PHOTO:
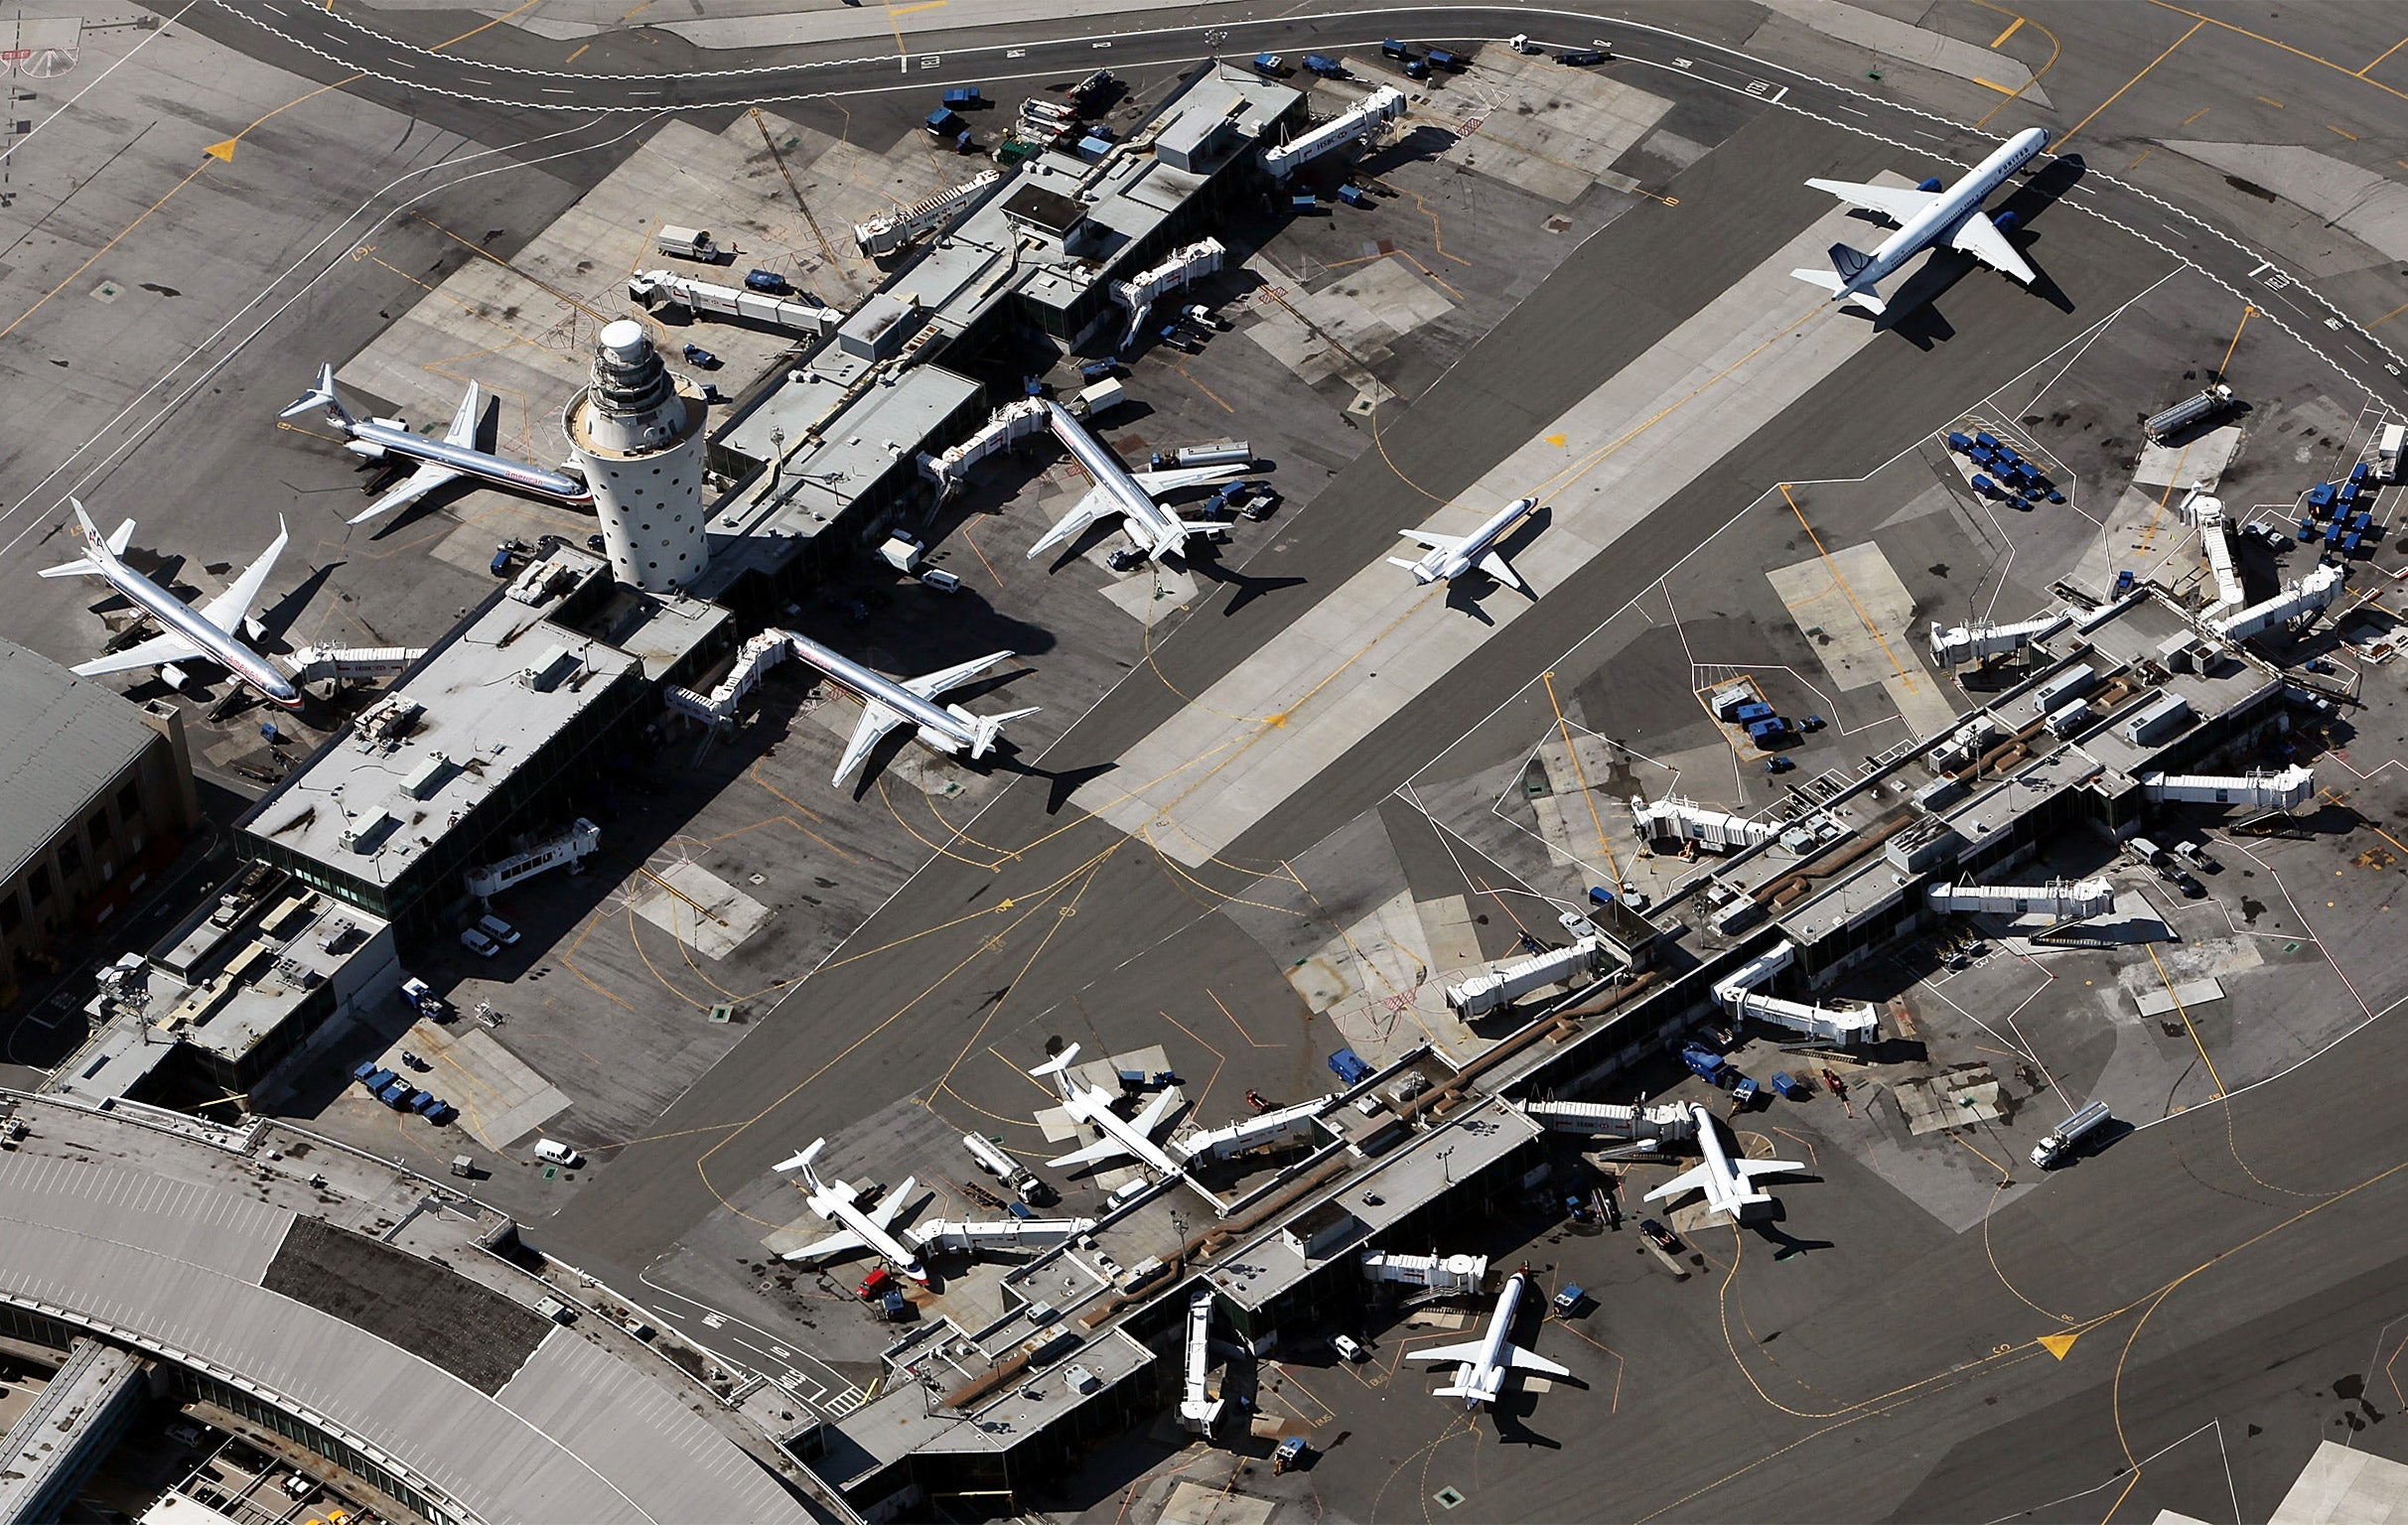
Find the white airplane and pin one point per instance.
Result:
(872, 1230)
(887, 702)
(1130, 1138)
(1724, 1180)
(1925, 216)
(212, 631)
(1479, 1374)
(1129, 494)
(439, 460)
(1450, 556)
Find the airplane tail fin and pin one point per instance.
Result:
(1849, 264)
(985, 729)
(802, 1161)
(89, 566)
(1059, 1064)
(320, 395)
(1421, 573)
(1849, 261)
(1472, 1397)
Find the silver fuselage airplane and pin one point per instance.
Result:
(1130, 1138)
(1450, 556)
(856, 1230)
(1724, 1179)
(1120, 492)
(211, 631)
(1481, 1365)
(440, 461)
(887, 702)
(1928, 216)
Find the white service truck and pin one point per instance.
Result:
(2061, 1145)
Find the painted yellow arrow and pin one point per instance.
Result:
(224, 152)
(2059, 1344)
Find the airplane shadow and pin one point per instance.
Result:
(1912, 314)
(1250, 587)
(1465, 593)
(278, 616)
(1064, 782)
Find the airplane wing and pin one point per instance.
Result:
(1097, 504)
(1174, 477)
(1978, 236)
(1494, 566)
(1470, 1351)
(876, 721)
(231, 610)
(1435, 542)
(1523, 1361)
(929, 685)
(887, 1211)
(414, 486)
(1687, 1180)
(464, 418)
(1900, 204)
(154, 652)
(1155, 1111)
(1095, 1153)
(1752, 1168)
(837, 1243)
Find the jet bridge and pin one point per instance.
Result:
(961, 1238)
(1198, 1410)
(656, 289)
(1373, 112)
(1855, 1022)
(2287, 790)
(581, 841)
(1978, 642)
(1677, 819)
(349, 664)
(2073, 902)
(1606, 1119)
(1438, 1273)
(1274, 1127)
(890, 231)
(2296, 602)
(1139, 294)
(2206, 514)
(1011, 422)
(1491, 991)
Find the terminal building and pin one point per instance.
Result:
(1088, 1336)
(96, 796)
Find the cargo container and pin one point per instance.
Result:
(396, 1095)
(1324, 66)
(1350, 1068)
(1353, 196)
(1452, 62)
(377, 1079)
(2319, 498)
(962, 96)
(1962, 444)
(1270, 64)
(1984, 486)
(943, 124)
(1391, 47)
(1789, 1088)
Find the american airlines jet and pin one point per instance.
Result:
(439, 460)
(855, 1229)
(212, 632)
(1724, 1180)
(1126, 494)
(1928, 216)
(1452, 556)
(1123, 1138)
(1481, 1364)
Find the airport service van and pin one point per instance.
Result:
(2061, 1145)
(687, 243)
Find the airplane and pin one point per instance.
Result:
(872, 1230)
(1130, 495)
(1723, 1181)
(439, 460)
(1132, 1138)
(1928, 216)
(1450, 556)
(1480, 1375)
(886, 704)
(212, 631)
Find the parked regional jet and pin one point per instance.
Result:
(1928, 216)
(1450, 556)
(887, 702)
(439, 460)
(1724, 1180)
(1130, 495)
(1130, 1138)
(1479, 1374)
(212, 631)
(872, 1230)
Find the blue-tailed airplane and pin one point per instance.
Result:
(1927, 216)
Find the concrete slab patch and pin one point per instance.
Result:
(1321, 985)
(1191, 1503)
(1949, 1100)
(697, 908)
(1546, 128)
(2197, 463)
(1858, 615)
(500, 1098)
(2189, 996)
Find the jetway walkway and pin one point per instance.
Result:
(1367, 117)
(1483, 993)
(349, 664)
(965, 1237)
(2285, 790)
(1679, 819)
(581, 841)
(1446, 1275)
(2296, 602)
(1139, 294)
(1198, 1410)
(1979, 643)
(2076, 901)
(1010, 422)
(1273, 1126)
(1609, 1120)
(1852, 1023)
(890, 231)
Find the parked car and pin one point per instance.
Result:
(478, 942)
(497, 929)
(765, 280)
(1660, 1236)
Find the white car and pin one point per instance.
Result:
(497, 929)
(478, 943)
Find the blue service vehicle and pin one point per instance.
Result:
(1270, 64)
(396, 1095)
(1791, 1090)
(945, 126)
(962, 96)
(1350, 1067)
(1704, 1063)
(377, 1078)
(1354, 196)
(1452, 62)
(765, 280)
(1322, 65)
(1984, 486)
(1962, 444)
(1985, 439)
(1743, 1095)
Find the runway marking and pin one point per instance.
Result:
(1564, 728)
(2055, 47)
(2352, 136)
(2058, 147)
(2012, 28)
(1872, 628)
(1239, 1025)
(2270, 100)
(2168, 980)
(2225, 367)
(582, 50)
(2194, 116)
(2386, 52)
(2302, 53)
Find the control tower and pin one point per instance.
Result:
(636, 432)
